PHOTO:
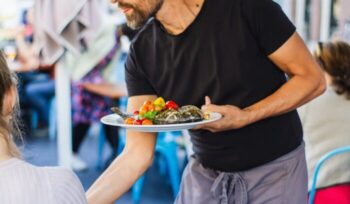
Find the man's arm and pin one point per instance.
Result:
(136, 157)
(106, 89)
(306, 82)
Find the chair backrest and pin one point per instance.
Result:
(318, 166)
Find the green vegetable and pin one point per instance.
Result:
(150, 115)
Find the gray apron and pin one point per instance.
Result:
(283, 180)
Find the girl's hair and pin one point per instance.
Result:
(8, 80)
(334, 58)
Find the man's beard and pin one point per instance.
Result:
(138, 18)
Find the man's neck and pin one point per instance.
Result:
(177, 15)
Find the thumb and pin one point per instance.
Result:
(212, 108)
(207, 100)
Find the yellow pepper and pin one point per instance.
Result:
(159, 103)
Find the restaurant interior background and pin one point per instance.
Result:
(316, 20)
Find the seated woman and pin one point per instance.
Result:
(326, 125)
(21, 182)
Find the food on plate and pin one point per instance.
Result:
(171, 105)
(162, 112)
(129, 121)
(169, 116)
(192, 113)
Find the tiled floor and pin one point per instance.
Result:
(43, 152)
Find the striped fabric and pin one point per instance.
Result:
(23, 183)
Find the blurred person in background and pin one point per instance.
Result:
(326, 125)
(110, 92)
(238, 52)
(37, 86)
(82, 39)
(21, 182)
(115, 91)
(89, 106)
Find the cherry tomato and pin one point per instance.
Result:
(138, 122)
(147, 122)
(171, 105)
(129, 121)
(136, 112)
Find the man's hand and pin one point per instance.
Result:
(232, 117)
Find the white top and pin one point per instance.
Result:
(326, 124)
(21, 182)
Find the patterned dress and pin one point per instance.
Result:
(88, 107)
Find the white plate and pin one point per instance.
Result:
(116, 120)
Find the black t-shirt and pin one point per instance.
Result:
(222, 54)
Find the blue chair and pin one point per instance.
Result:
(136, 190)
(101, 141)
(166, 150)
(34, 120)
(100, 146)
(51, 122)
(318, 166)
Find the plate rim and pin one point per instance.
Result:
(155, 128)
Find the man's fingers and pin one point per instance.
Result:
(214, 108)
(209, 107)
(209, 126)
(204, 128)
(198, 127)
(207, 100)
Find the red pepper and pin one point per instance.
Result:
(171, 105)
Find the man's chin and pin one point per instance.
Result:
(135, 25)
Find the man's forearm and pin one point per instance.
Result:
(116, 180)
(130, 164)
(296, 92)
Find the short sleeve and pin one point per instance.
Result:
(268, 23)
(136, 81)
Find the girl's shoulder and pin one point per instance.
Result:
(65, 185)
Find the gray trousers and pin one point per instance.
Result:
(282, 181)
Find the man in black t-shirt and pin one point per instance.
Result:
(234, 55)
